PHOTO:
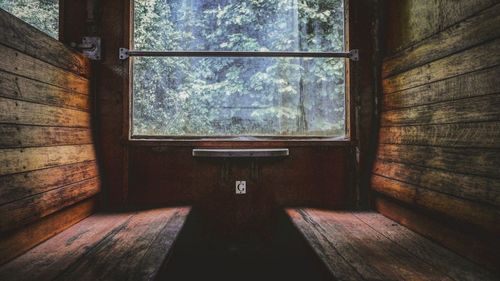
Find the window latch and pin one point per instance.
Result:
(90, 47)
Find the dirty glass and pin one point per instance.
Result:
(224, 96)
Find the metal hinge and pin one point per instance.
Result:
(354, 55)
(90, 47)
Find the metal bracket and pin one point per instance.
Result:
(354, 55)
(90, 47)
(123, 53)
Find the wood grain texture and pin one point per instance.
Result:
(20, 64)
(477, 215)
(377, 252)
(21, 185)
(467, 135)
(473, 59)
(21, 88)
(114, 246)
(18, 242)
(32, 136)
(27, 113)
(414, 20)
(29, 159)
(467, 33)
(470, 161)
(476, 109)
(474, 188)
(482, 250)
(27, 39)
(478, 83)
(30, 209)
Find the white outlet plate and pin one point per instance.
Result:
(241, 187)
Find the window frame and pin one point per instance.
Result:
(234, 141)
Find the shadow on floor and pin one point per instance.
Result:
(275, 251)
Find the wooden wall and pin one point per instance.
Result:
(437, 167)
(48, 171)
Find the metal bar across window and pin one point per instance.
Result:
(126, 53)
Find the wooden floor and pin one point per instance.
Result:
(118, 246)
(368, 246)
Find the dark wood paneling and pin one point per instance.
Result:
(47, 157)
(476, 135)
(21, 185)
(477, 58)
(478, 83)
(472, 161)
(29, 40)
(470, 32)
(18, 63)
(30, 136)
(17, 242)
(20, 88)
(27, 113)
(482, 216)
(28, 159)
(410, 21)
(30, 209)
(475, 188)
(475, 109)
(483, 250)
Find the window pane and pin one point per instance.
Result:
(238, 96)
(42, 14)
(255, 25)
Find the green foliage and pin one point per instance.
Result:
(42, 14)
(238, 96)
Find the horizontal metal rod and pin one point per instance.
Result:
(241, 153)
(125, 53)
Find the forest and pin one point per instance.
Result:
(207, 96)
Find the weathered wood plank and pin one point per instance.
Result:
(18, 242)
(475, 214)
(373, 255)
(27, 113)
(476, 109)
(484, 251)
(470, 161)
(324, 248)
(467, 33)
(471, 135)
(31, 136)
(478, 83)
(448, 262)
(413, 20)
(18, 186)
(126, 254)
(22, 212)
(29, 159)
(21, 64)
(474, 188)
(51, 258)
(20, 88)
(27, 39)
(473, 59)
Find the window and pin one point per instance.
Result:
(42, 14)
(224, 96)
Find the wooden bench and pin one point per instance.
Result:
(368, 246)
(108, 246)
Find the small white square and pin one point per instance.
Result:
(241, 187)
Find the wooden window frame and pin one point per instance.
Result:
(266, 141)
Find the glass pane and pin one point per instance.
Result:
(237, 25)
(238, 97)
(42, 14)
